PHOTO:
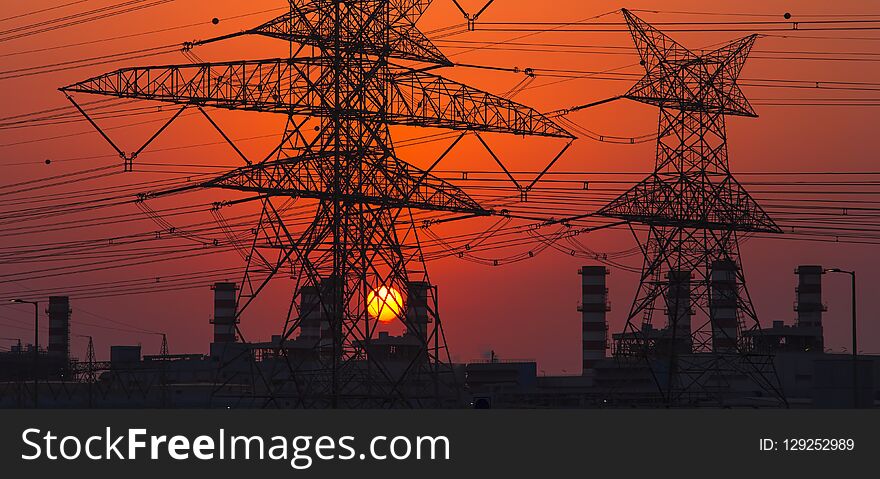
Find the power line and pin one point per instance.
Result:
(42, 10)
(80, 18)
(135, 35)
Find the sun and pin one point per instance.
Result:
(384, 304)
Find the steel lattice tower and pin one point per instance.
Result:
(343, 74)
(695, 212)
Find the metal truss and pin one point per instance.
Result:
(695, 212)
(397, 31)
(691, 185)
(386, 93)
(340, 91)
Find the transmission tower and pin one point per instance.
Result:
(89, 371)
(341, 88)
(695, 212)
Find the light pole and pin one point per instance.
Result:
(36, 344)
(855, 349)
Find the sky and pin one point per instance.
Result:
(522, 310)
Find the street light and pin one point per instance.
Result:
(36, 343)
(855, 349)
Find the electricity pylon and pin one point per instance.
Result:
(341, 88)
(695, 212)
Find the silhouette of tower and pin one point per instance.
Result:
(695, 212)
(341, 88)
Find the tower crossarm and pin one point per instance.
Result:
(383, 181)
(377, 28)
(678, 78)
(431, 100)
(298, 86)
(696, 202)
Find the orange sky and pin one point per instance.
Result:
(525, 310)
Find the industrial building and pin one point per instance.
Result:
(236, 374)
(626, 373)
(268, 374)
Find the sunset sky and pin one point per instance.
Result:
(525, 309)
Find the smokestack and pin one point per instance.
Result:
(723, 305)
(594, 306)
(679, 308)
(310, 314)
(314, 316)
(809, 305)
(417, 318)
(59, 327)
(224, 312)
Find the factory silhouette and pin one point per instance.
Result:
(692, 337)
(254, 375)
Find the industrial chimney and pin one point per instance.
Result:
(224, 312)
(417, 317)
(679, 309)
(315, 310)
(723, 305)
(594, 307)
(59, 327)
(310, 314)
(809, 306)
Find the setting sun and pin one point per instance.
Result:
(384, 304)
